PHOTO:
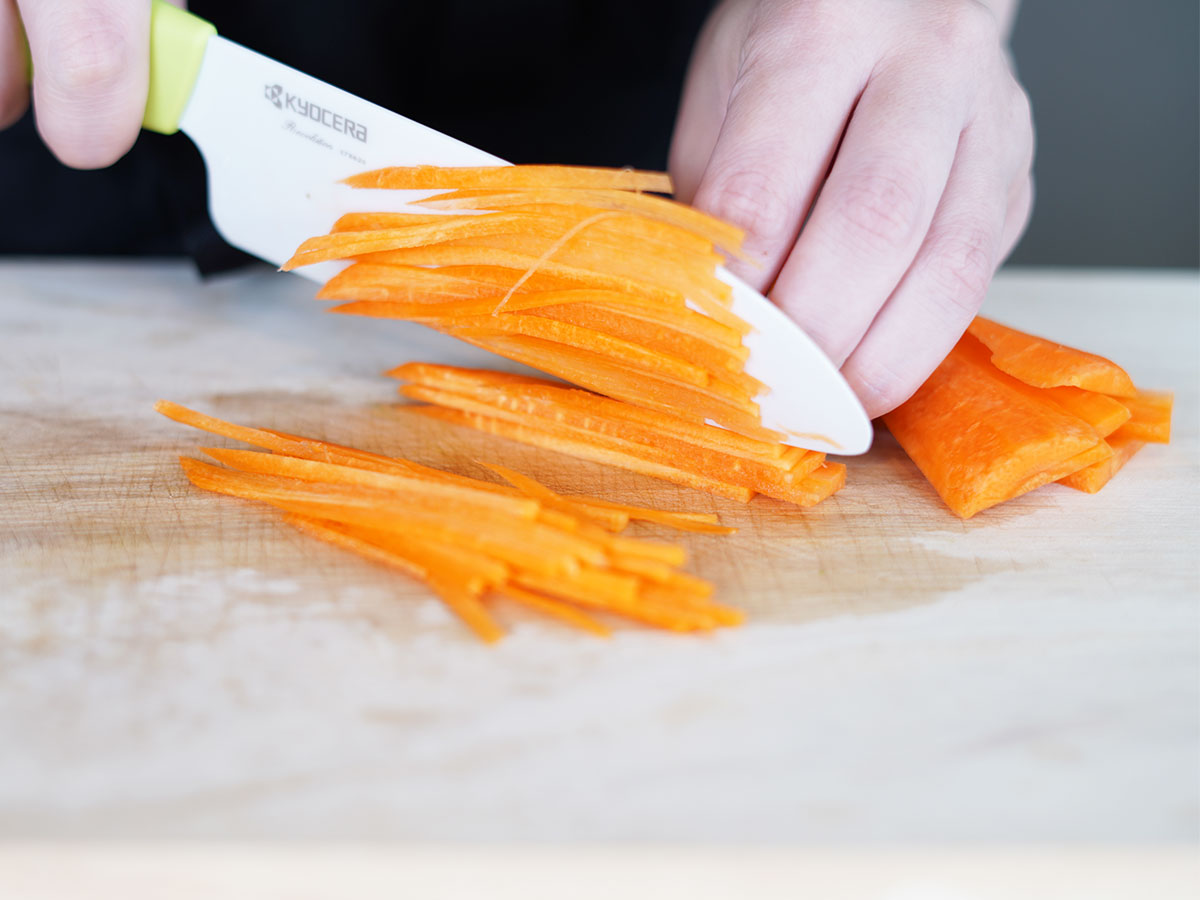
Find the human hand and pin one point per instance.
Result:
(900, 131)
(91, 60)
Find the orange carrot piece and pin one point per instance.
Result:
(981, 437)
(693, 277)
(616, 350)
(619, 437)
(723, 361)
(1102, 412)
(411, 486)
(1045, 364)
(610, 520)
(430, 559)
(585, 589)
(624, 226)
(700, 523)
(374, 221)
(1091, 479)
(724, 235)
(452, 256)
(467, 606)
(331, 533)
(523, 543)
(554, 608)
(714, 401)
(1150, 419)
(471, 381)
(510, 178)
(405, 283)
(582, 449)
(347, 244)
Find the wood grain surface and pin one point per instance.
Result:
(183, 663)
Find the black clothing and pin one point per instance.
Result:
(587, 82)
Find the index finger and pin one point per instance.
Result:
(872, 212)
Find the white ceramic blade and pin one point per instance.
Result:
(277, 143)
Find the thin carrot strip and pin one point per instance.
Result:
(463, 380)
(396, 282)
(375, 221)
(592, 370)
(621, 437)
(347, 244)
(428, 558)
(450, 255)
(555, 331)
(525, 544)
(720, 361)
(558, 610)
(400, 303)
(701, 523)
(583, 450)
(722, 234)
(333, 473)
(325, 531)
(582, 591)
(1044, 363)
(511, 177)
(467, 606)
(610, 520)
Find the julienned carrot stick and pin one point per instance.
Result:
(465, 538)
(982, 439)
(724, 235)
(617, 436)
(509, 177)
(584, 450)
(470, 381)
(558, 610)
(1045, 364)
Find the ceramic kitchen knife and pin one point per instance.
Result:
(277, 143)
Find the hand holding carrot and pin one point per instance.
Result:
(92, 63)
(899, 131)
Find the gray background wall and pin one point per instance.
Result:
(1116, 95)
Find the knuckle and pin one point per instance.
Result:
(879, 211)
(879, 386)
(91, 54)
(970, 26)
(961, 268)
(751, 200)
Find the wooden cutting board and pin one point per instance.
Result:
(128, 597)
(93, 494)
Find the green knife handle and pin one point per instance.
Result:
(177, 42)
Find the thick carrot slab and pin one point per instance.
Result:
(982, 439)
(1046, 364)
(1105, 414)
(1092, 478)
(1150, 419)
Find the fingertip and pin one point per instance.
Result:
(91, 80)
